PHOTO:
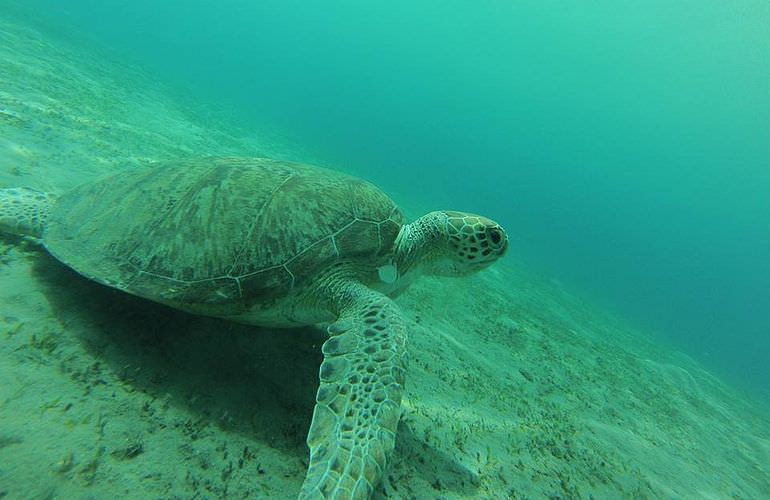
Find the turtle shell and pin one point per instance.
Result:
(219, 233)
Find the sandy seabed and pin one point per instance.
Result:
(516, 387)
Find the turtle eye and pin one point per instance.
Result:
(495, 235)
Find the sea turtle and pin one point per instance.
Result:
(272, 243)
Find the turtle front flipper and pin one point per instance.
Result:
(24, 211)
(359, 399)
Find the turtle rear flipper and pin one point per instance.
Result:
(358, 402)
(24, 211)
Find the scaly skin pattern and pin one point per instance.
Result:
(449, 243)
(358, 402)
(276, 244)
(24, 211)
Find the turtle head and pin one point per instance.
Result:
(455, 243)
(473, 242)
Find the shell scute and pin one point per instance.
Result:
(389, 231)
(359, 238)
(305, 263)
(265, 284)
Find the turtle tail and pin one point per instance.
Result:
(24, 211)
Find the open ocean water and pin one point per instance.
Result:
(620, 349)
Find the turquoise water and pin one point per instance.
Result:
(625, 145)
(619, 350)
